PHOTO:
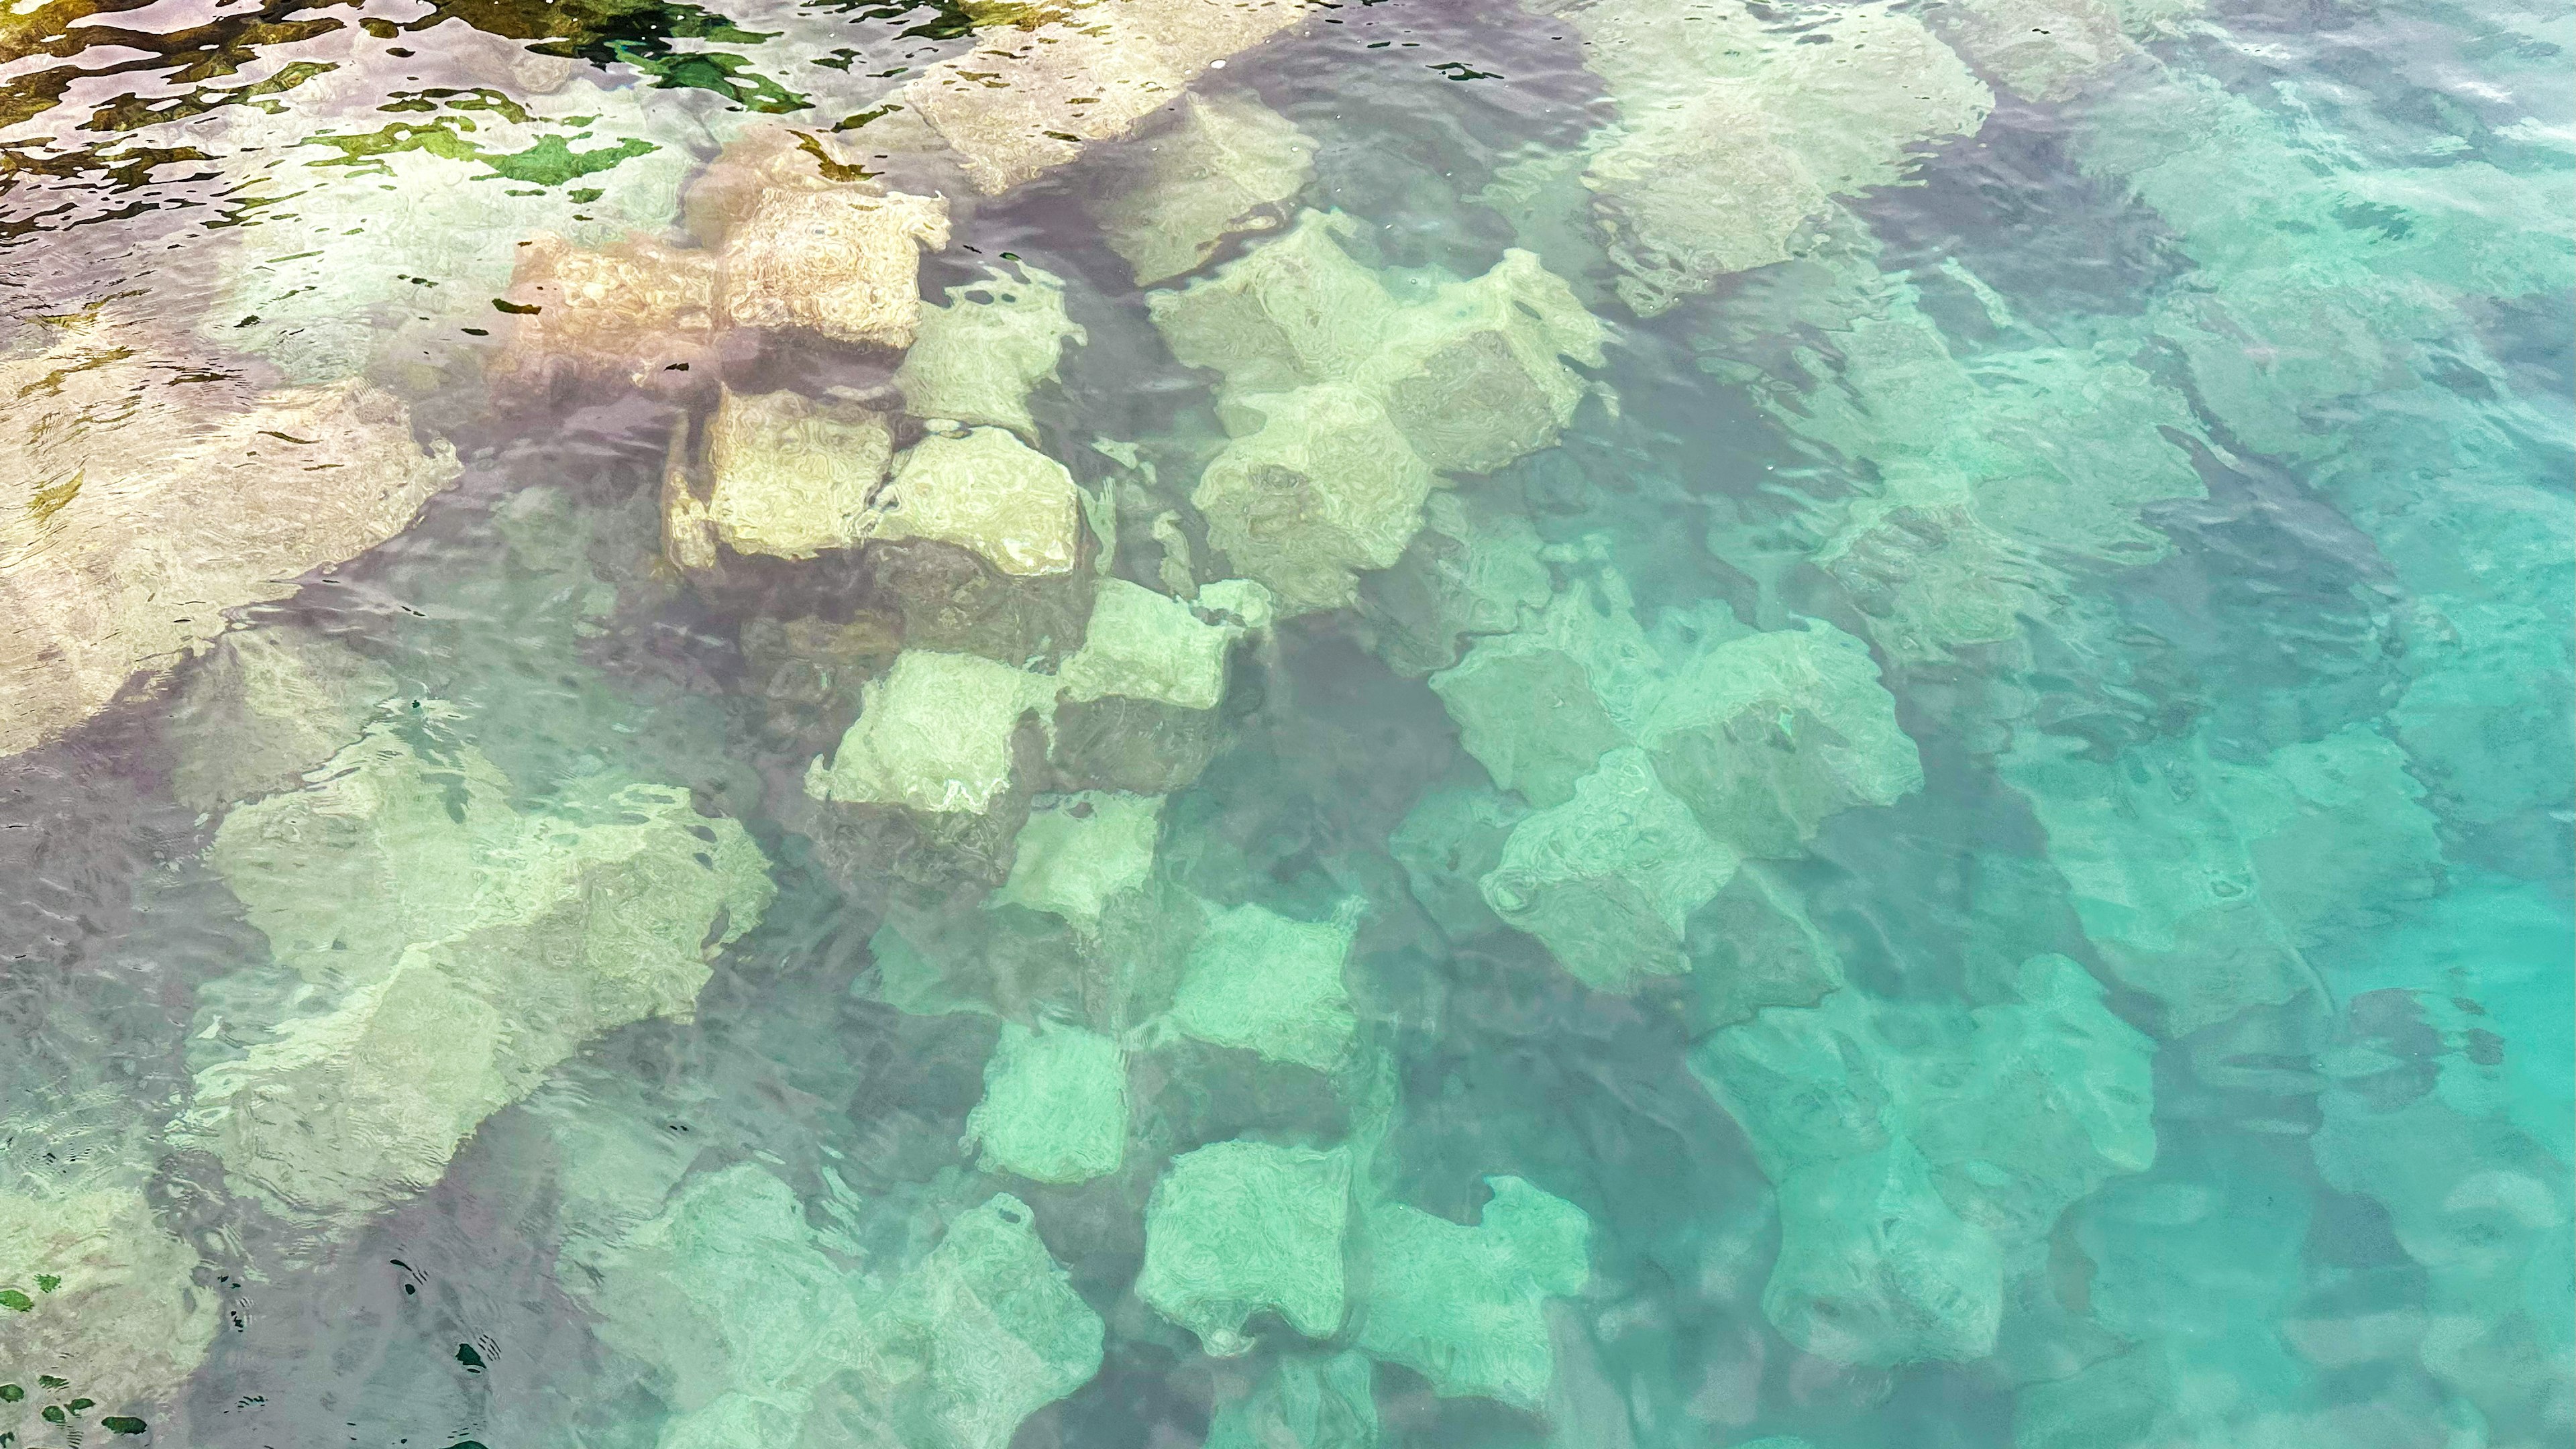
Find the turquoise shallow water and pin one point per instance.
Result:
(1188, 723)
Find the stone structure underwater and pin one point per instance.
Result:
(1581, 723)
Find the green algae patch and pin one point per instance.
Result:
(1055, 1104)
(1239, 1228)
(1262, 981)
(1466, 1307)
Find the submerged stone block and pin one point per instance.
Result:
(934, 734)
(1320, 488)
(977, 359)
(152, 476)
(1767, 735)
(1025, 102)
(472, 946)
(1608, 880)
(1055, 1104)
(1304, 1402)
(986, 491)
(1228, 165)
(1921, 1150)
(1078, 853)
(1262, 981)
(1466, 1307)
(1239, 1228)
(792, 476)
(839, 259)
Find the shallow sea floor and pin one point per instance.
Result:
(1160, 723)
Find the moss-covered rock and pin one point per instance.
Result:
(1239, 1228)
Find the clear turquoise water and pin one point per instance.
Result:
(1970, 844)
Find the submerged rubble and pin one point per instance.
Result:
(163, 491)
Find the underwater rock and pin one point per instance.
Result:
(104, 1304)
(1025, 102)
(840, 259)
(955, 601)
(2445, 1105)
(1236, 1228)
(1920, 1151)
(756, 1332)
(977, 359)
(639, 312)
(1473, 570)
(1150, 646)
(2203, 882)
(1539, 707)
(1304, 1402)
(985, 1330)
(986, 491)
(1322, 489)
(266, 704)
(1229, 165)
(1673, 223)
(471, 947)
(1472, 373)
(1466, 1307)
(2040, 50)
(1262, 981)
(1451, 839)
(162, 492)
(1608, 879)
(1753, 946)
(1740, 131)
(1079, 852)
(1054, 1106)
(790, 475)
(1765, 736)
(934, 734)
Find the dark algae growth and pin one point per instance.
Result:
(1264, 724)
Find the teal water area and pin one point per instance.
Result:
(1408, 725)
